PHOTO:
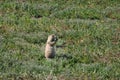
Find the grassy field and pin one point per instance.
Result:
(89, 30)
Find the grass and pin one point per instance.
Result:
(89, 30)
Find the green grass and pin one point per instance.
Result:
(89, 29)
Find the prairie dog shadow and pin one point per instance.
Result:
(60, 46)
(64, 56)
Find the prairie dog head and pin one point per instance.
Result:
(52, 39)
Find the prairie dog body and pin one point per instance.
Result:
(49, 49)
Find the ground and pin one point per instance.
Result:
(89, 39)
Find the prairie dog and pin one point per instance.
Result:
(49, 49)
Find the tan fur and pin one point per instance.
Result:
(49, 49)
